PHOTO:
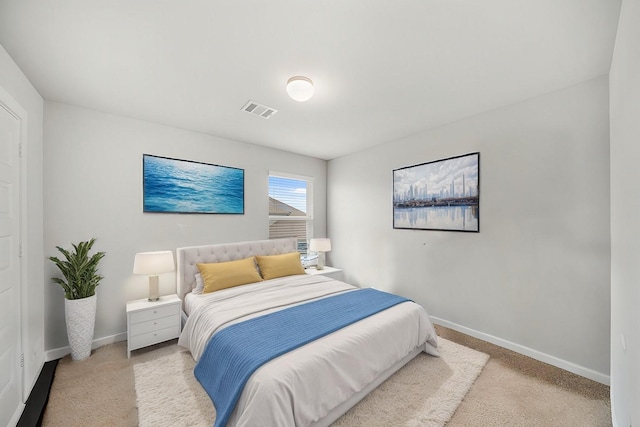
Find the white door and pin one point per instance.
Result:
(10, 345)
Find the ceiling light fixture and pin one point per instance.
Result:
(300, 88)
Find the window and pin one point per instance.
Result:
(291, 208)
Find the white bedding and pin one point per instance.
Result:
(304, 385)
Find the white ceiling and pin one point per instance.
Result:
(382, 69)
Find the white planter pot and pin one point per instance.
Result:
(80, 316)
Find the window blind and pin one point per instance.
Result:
(291, 208)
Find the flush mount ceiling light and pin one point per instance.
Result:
(300, 88)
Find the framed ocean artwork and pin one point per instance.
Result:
(438, 195)
(185, 186)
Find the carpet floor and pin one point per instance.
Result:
(512, 390)
(516, 390)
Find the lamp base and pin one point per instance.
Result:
(154, 288)
(320, 265)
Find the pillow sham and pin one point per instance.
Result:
(274, 266)
(199, 285)
(223, 275)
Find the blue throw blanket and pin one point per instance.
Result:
(235, 353)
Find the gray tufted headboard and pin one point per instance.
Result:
(188, 257)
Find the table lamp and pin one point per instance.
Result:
(152, 264)
(320, 245)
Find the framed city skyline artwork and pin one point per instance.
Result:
(438, 195)
(185, 186)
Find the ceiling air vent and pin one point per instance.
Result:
(259, 109)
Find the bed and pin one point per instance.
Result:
(313, 384)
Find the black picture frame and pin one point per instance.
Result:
(441, 195)
(185, 186)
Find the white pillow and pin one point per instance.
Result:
(199, 285)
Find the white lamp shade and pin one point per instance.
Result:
(300, 88)
(152, 263)
(320, 245)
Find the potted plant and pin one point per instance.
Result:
(80, 280)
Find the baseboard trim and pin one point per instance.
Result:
(17, 414)
(535, 354)
(612, 396)
(59, 353)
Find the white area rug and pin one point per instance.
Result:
(425, 393)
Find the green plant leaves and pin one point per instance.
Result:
(79, 269)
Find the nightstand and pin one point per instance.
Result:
(152, 322)
(332, 272)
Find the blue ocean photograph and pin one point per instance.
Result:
(439, 195)
(184, 186)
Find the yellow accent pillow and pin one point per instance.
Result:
(273, 266)
(222, 275)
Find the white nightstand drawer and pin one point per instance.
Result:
(155, 313)
(152, 325)
(152, 322)
(154, 337)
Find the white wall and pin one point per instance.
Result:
(625, 227)
(93, 188)
(13, 81)
(536, 277)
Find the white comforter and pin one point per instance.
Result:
(304, 385)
